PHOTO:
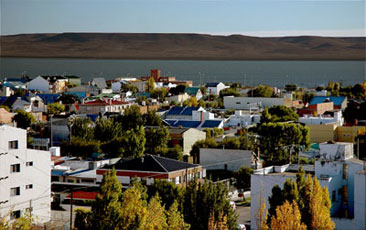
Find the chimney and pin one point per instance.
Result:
(201, 116)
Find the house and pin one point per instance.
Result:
(48, 98)
(55, 84)
(215, 87)
(5, 116)
(5, 91)
(333, 116)
(73, 80)
(15, 83)
(336, 169)
(103, 106)
(39, 84)
(194, 92)
(36, 103)
(99, 83)
(25, 177)
(212, 159)
(180, 98)
(16, 103)
(88, 90)
(339, 102)
(156, 74)
(149, 168)
(188, 113)
(242, 119)
(254, 103)
(185, 138)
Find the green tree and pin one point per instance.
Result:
(150, 85)
(277, 140)
(279, 113)
(106, 129)
(159, 93)
(290, 87)
(82, 128)
(82, 219)
(24, 119)
(55, 108)
(131, 119)
(169, 192)
(191, 102)
(68, 99)
(81, 147)
(152, 119)
(107, 208)
(229, 92)
(242, 177)
(261, 91)
(231, 143)
(201, 199)
(174, 153)
(175, 219)
(156, 139)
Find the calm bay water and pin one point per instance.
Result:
(275, 73)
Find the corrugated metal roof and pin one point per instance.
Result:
(187, 124)
(211, 123)
(175, 110)
(321, 99)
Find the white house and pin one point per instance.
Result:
(25, 176)
(334, 116)
(21, 103)
(243, 119)
(211, 158)
(338, 170)
(255, 103)
(39, 84)
(215, 87)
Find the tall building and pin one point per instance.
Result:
(25, 177)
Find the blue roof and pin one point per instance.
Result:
(143, 94)
(212, 84)
(187, 124)
(191, 90)
(57, 173)
(171, 122)
(48, 98)
(80, 95)
(320, 99)
(211, 123)
(93, 117)
(189, 110)
(182, 110)
(2, 99)
(175, 110)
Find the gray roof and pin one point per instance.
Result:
(100, 83)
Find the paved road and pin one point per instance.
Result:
(244, 215)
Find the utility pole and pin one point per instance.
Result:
(51, 130)
(71, 203)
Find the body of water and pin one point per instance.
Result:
(275, 73)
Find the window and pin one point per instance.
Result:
(29, 186)
(36, 103)
(15, 191)
(15, 168)
(238, 103)
(29, 163)
(13, 144)
(15, 215)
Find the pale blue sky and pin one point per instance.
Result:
(251, 17)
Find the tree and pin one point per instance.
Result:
(175, 219)
(191, 102)
(82, 217)
(261, 215)
(150, 85)
(55, 108)
(156, 139)
(107, 208)
(261, 91)
(242, 177)
(152, 119)
(169, 192)
(159, 93)
(131, 119)
(68, 99)
(231, 143)
(290, 87)
(279, 140)
(174, 153)
(106, 129)
(229, 92)
(201, 199)
(24, 119)
(279, 113)
(208, 143)
(81, 147)
(288, 217)
(155, 218)
(82, 128)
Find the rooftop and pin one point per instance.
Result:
(321, 99)
(152, 163)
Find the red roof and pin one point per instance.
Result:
(81, 195)
(101, 103)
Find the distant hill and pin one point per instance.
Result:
(181, 46)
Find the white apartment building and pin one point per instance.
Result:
(243, 119)
(336, 169)
(329, 117)
(25, 177)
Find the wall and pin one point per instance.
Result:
(40, 84)
(39, 175)
(235, 158)
(349, 133)
(242, 102)
(322, 133)
(190, 137)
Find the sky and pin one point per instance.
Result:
(221, 17)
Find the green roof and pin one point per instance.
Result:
(191, 90)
